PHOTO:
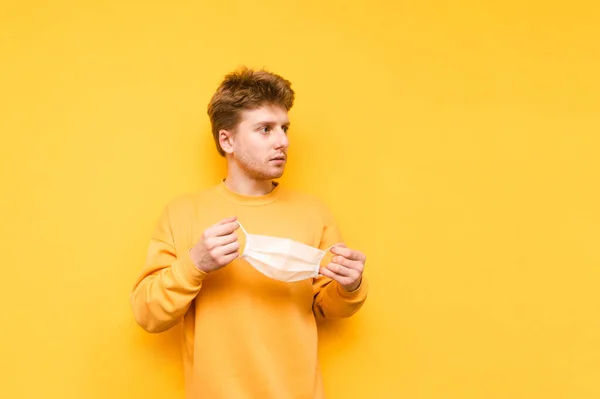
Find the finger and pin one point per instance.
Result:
(339, 244)
(328, 273)
(230, 258)
(228, 249)
(350, 264)
(224, 229)
(339, 269)
(213, 242)
(222, 222)
(226, 220)
(348, 253)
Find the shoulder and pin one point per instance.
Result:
(299, 196)
(186, 203)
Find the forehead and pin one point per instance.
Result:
(266, 113)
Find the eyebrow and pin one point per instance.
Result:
(270, 123)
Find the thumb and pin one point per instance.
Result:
(339, 244)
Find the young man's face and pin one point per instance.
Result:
(259, 144)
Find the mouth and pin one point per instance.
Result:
(280, 158)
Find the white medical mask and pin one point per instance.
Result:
(281, 258)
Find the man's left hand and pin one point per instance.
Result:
(346, 267)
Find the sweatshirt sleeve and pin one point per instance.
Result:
(330, 299)
(167, 285)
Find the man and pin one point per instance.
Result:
(249, 321)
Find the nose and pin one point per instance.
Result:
(281, 140)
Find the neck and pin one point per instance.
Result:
(244, 185)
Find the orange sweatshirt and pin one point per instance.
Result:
(245, 335)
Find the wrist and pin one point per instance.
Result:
(192, 274)
(196, 262)
(352, 287)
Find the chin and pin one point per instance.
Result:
(274, 174)
(266, 174)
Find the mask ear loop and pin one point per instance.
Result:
(246, 243)
(325, 252)
(329, 249)
(242, 227)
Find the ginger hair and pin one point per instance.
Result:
(246, 89)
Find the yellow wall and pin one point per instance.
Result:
(458, 146)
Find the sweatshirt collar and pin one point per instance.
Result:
(252, 200)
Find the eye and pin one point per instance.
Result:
(286, 128)
(265, 129)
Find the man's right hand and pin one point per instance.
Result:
(218, 247)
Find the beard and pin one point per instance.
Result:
(258, 169)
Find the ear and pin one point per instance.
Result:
(226, 141)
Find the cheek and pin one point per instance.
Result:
(248, 153)
(256, 149)
(253, 149)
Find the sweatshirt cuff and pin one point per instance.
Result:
(189, 271)
(359, 293)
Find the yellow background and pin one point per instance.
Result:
(457, 142)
